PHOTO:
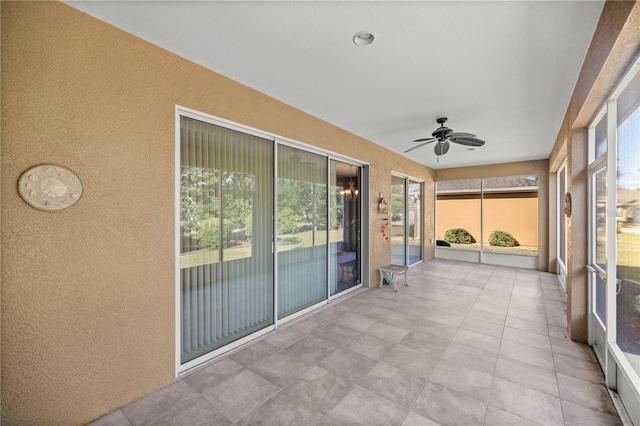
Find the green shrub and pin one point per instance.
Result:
(209, 233)
(502, 239)
(458, 236)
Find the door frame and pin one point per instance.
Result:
(597, 330)
(180, 111)
(408, 179)
(619, 374)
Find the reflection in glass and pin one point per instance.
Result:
(398, 208)
(628, 223)
(601, 216)
(414, 228)
(601, 241)
(226, 263)
(302, 229)
(344, 227)
(601, 136)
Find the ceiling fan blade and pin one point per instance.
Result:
(461, 135)
(426, 139)
(468, 141)
(441, 148)
(418, 146)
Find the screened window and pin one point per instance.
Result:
(493, 214)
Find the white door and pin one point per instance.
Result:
(614, 263)
(598, 258)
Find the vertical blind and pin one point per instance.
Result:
(302, 229)
(227, 194)
(226, 234)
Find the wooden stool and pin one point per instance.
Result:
(391, 272)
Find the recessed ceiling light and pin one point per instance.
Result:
(363, 38)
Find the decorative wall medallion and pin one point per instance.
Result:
(567, 204)
(49, 187)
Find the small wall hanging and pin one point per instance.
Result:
(567, 204)
(382, 205)
(385, 231)
(49, 187)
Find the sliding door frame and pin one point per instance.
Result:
(407, 179)
(277, 141)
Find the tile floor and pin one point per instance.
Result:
(464, 344)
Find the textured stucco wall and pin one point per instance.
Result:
(537, 167)
(458, 212)
(88, 292)
(577, 236)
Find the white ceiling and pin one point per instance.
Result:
(503, 70)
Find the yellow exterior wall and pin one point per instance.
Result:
(88, 293)
(518, 216)
(458, 212)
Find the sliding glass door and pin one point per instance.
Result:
(344, 226)
(414, 224)
(267, 230)
(226, 261)
(406, 221)
(398, 208)
(302, 229)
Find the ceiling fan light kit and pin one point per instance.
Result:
(443, 136)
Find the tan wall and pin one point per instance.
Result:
(516, 214)
(88, 292)
(458, 212)
(615, 44)
(537, 167)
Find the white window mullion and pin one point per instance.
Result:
(611, 220)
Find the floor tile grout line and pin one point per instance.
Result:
(451, 290)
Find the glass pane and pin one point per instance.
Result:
(601, 136)
(600, 219)
(600, 299)
(458, 213)
(226, 262)
(414, 229)
(510, 216)
(344, 226)
(398, 208)
(628, 224)
(302, 229)
(600, 182)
